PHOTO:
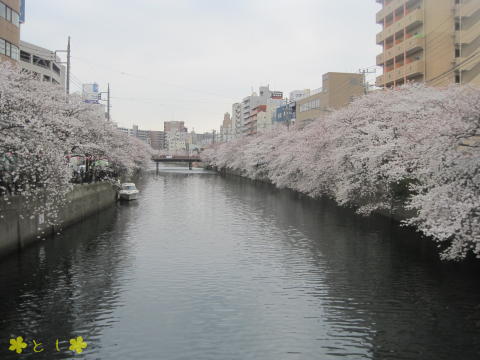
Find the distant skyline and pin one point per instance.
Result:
(189, 60)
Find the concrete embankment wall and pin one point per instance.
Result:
(19, 229)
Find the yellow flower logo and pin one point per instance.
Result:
(17, 345)
(77, 345)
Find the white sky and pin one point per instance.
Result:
(189, 60)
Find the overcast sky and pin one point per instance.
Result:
(191, 59)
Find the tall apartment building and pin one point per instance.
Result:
(253, 101)
(250, 127)
(42, 62)
(10, 30)
(338, 90)
(432, 41)
(237, 119)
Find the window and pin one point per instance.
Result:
(2, 46)
(15, 19)
(56, 68)
(457, 52)
(25, 56)
(457, 25)
(9, 14)
(8, 49)
(457, 78)
(15, 52)
(41, 62)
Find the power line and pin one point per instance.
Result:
(467, 60)
(149, 79)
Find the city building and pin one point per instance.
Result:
(265, 122)
(200, 141)
(157, 139)
(253, 101)
(237, 119)
(226, 129)
(431, 41)
(10, 30)
(170, 126)
(250, 127)
(296, 95)
(176, 141)
(338, 90)
(42, 62)
(176, 136)
(143, 135)
(285, 114)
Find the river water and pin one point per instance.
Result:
(206, 267)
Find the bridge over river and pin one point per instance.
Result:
(176, 159)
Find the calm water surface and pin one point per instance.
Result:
(204, 267)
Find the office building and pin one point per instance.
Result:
(338, 90)
(42, 62)
(297, 95)
(157, 139)
(285, 114)
(10, 30)
(431, 41)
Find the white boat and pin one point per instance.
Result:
(128, 192)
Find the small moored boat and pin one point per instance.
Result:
(128, 192)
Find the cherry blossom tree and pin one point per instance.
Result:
(417, 146)
(39, 129)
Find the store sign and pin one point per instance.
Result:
(277, 95)
(22, 11)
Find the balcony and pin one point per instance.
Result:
(468, 64)
(468, 9)
(413, 18)
(468, 35)
(414, 68)
(409, 45)
(388, 9)
(400, 72)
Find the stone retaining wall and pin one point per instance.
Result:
(18, 229)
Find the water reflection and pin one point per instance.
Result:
(63, 288)
(205, 267)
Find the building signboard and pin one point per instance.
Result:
(90, 93)
(22, 11)
(277, 95)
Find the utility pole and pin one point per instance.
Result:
(67, 85)
(365, 72)
(108, 100)
(287, 112)
(68, 68)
